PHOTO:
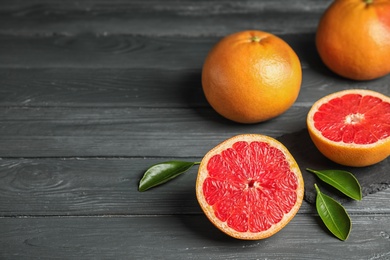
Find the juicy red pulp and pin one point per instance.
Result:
(354, 118)
(250, 186)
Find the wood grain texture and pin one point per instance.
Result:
(63, 131)
(184, 237)
(211, 6)
(190, 18)
(91, 51)
(92, 92)
(124, 51)
(142, 88)
(109, 186)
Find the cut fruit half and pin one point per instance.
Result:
(351, 127)
(249, 186)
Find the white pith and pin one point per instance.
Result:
(354, 119)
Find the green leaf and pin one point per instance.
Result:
(342, 180)
(163, 172)
(333, 214)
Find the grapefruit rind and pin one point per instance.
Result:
(353, 38)
(251, 76)
(348, 154)
(208, 209)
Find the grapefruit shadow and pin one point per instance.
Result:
(305, 47)
(189, 215)
(372, 178)
(202, 229)
(190, 89)
(192, 96)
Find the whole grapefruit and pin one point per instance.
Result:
(353, 38)
(251, 76)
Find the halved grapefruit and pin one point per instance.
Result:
(351, 127)
(249, 186)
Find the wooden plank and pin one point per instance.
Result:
(210, 6)
(146, 88)
(191, 18)
(91, 51)
(63, 131)
(125, 51)
(109, 186)
(184, 237)
(81, 186)
(101, 88)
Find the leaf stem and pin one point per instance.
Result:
(317, 189)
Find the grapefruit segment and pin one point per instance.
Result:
(351, 127)
(249, 186)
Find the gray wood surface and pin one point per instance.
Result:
(93, 92)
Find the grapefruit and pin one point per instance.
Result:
(353, 38)
(351, 127)
(249, 186)
(251, 76)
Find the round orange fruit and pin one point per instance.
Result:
(351, 127)
(251, 76)
(353, 38)
(249, 186)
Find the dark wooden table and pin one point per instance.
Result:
(92, 92)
